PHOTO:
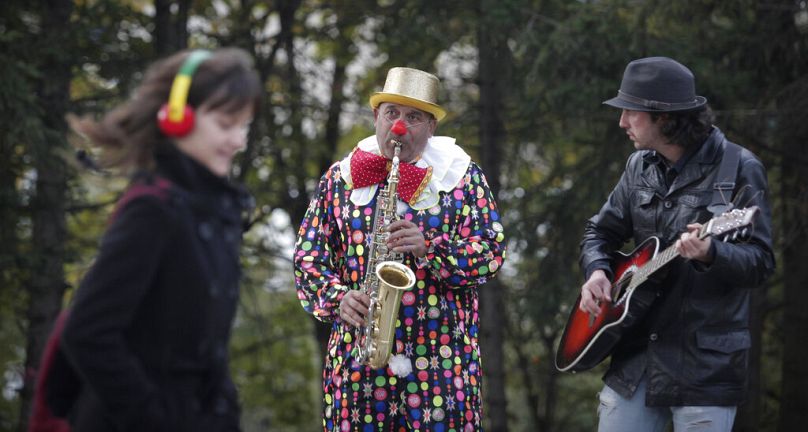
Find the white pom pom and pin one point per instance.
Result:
(400, 365)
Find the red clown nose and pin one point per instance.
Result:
(399, 128)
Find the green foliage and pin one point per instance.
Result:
(87, 223)
(563, 152)
(19, 124)
(274, 363)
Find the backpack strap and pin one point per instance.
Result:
(725, 180)
(56, 381)
(153, 186)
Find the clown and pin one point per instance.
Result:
(449, 233)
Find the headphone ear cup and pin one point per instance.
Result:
(175, 129)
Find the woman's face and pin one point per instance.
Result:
(216, 138)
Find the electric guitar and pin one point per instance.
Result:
(588, 339)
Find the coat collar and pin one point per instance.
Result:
(188, 173)
(205, 189)
(700, 163)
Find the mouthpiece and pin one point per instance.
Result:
(399, 128)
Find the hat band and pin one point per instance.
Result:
(654, 104)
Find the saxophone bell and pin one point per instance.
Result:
(394, 278)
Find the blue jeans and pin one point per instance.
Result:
(618, 414)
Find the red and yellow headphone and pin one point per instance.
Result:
(176, 118)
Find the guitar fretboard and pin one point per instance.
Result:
(666, 256)
(659, 261)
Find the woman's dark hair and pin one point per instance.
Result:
(128, 135)
(687, 128)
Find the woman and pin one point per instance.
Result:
(149, 328)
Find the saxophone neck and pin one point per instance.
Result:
(396, 151)
(392, 178)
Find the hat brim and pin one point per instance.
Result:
(621, 103)
(380, 97)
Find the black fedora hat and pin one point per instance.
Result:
(657, 84)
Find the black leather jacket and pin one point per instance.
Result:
(693, 343)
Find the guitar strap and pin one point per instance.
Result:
(725, 179)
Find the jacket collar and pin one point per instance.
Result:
(188, 173)
(700, 163)
(204, 188)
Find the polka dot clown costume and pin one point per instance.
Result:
(433, 380)
(437, 330)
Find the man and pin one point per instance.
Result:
(450, 236)
(686, 360)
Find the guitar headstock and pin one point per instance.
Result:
(733, 223)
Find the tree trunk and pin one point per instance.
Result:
(794, 132)
(332, 131)
(181, 24)
(17, 103)
(493, 63)
(299, 202)
(164, 42)
(170, 28)
(748, 417)
(266, 126)
(531, 388)
(49, 232)
(551, 386)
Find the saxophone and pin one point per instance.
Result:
(386, 279)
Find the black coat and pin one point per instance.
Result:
(150, 324)
(693, 343)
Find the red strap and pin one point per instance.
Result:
(42, 419)
(159, 187)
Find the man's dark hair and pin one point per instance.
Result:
(686, 128)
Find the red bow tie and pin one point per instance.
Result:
(370, 169)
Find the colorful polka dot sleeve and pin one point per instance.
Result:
(437, 329)
(468, 252)
(319, 257)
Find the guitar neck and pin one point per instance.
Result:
(727, 223)
(643, 273)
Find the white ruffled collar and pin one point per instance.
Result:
(449, 164)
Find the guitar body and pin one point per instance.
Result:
(588, 340)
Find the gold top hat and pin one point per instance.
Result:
(411, 87)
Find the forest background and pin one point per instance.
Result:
(523, 81)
